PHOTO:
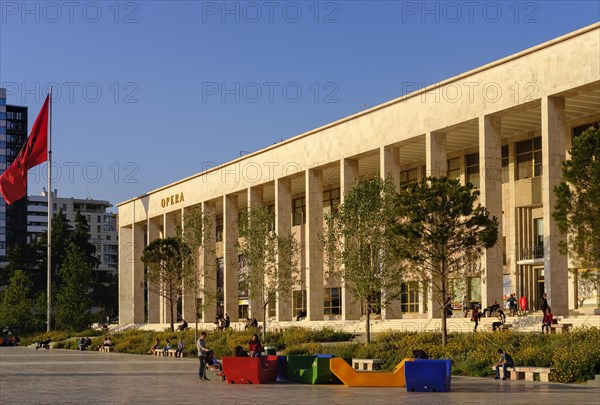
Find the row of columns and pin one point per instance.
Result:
(555, 264)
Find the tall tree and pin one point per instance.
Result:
(166, 260)
(81, 236)
(577, 209)
(441, 227)
(272, 259)
(74, 296)
(30, 258)
(196, 236)
(358, 241)
(16, 304)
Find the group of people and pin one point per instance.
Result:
(222, 322)
(251, 323)
(180, 348)
(10, 340)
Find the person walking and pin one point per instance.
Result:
(544, 303)
(504, 362)
(465, 306)
(512, 305)
(475, 316)
(202, 354)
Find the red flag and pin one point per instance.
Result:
(13, 182)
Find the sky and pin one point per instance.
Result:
(149, 92)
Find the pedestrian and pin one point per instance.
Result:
(544, 303)
(465, 306)
(547, 321)
(504, 362)
(448, 307)
(202, 354)
(512, 304)
(475, 316)
(523, 303)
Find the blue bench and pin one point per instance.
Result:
(428, 375)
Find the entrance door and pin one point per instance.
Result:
(540, 286)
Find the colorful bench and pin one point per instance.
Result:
(311, 370)
(428, 375)
(352, 378)
(250, 370)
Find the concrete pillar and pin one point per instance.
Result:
(435, 154)
(139, 281)
(153, 232)
(209, 261)
(170, 224)
(313, 248)
(513, 225)
(189, 295)
(255, 198)
(126, 276)
(283, 225)
(348, 175)
(389, 164)
(490, 187)
(230, 256)
(553, 154)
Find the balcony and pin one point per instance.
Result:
(531, 254)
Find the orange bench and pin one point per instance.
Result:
(352, 378)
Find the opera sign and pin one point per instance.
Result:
(172, 200)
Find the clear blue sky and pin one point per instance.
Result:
(154, 91)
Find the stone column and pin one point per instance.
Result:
(389, 164)
(314, 252)
(153, 232)
(230, 256)
(126, 275)
(283, 225)
(553, 154)
(490, 186)
(255, 198)
(208, 260)
(348, 175)
(189, 295)
(435, 154)
(170, 223)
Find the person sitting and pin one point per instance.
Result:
(254, 323)
(301, 315)
(180, 348)
(254, 347)
(183, 326)
(501, 320)
(45, 344)
(84, 343)
(504, 362)
(240, 352)
(448, 307)
(214, 364)
(154, 347)
(226, 322)
(167, 347)
(419, 354)
(491, 309)
(248, 323)
(547, 321)
(107, 343)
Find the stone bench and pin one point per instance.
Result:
(106, 349)
(367, 364)
(527, 373)
(169, 353)
(560, 327)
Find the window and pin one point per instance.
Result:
(2, 116)
(107, 237)
(299, 211)
(219, 229)
(2, 101)
(332, 304)
(529, 158)
(505, 164)
(538, 229)
(2, 130)
(299, 302)
(331, 199)
(272, 307)
(53, 206)
(454, 168)
(472, 163)
(65, 208)
(409, 297)
(98, 218)
(407, 177)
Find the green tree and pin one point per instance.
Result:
(80, 236)
(272, 259)
(358, 240)
(74, 296)
(577, 209)
(167, 261)
(441, 227)
(16, 304)
(196, 236)
(31, 259)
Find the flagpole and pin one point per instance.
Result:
(49, 194)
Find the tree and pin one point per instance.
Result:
(196, 237)
(272, 259)
(588, 282)
(577, 209)
(16, 304)
(74, 296)
(358, 242)
(441, 228)
(80, 236)
(166, 260)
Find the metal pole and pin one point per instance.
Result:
(49, 252)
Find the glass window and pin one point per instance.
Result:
(474, 288)
(272, 307)
(454, 168)
(219, 229)
(332, 304)
(299, 211)
(331, 199)
(2, 144)
(2, 101)
(3, 116)
(2, 130)
(2, 158)
(472, 166)
(407, 177)
(505, 164)
(529, 158)
(409, 297)
(299, 302)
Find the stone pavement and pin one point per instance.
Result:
(29, 376)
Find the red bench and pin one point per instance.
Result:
(250, 370)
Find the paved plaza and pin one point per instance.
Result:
(53, 376)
